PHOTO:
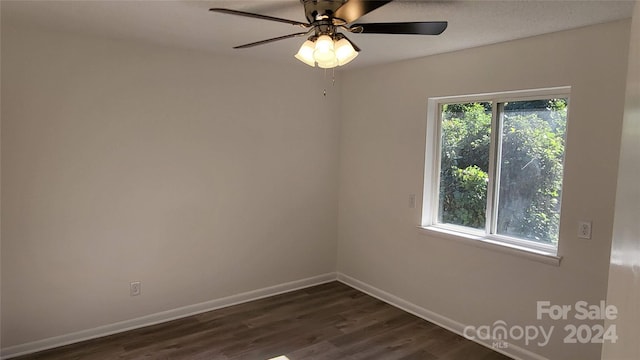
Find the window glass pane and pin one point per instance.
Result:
(531, 165)
(464, 166)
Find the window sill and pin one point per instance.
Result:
(482, 242)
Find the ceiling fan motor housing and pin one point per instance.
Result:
(318, 9)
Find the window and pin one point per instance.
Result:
(495, 167)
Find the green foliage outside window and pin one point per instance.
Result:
(531, 167)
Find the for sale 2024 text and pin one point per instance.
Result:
(582, 310)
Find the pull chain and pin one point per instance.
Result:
(333, 77)
(333, 80)
(324, 81)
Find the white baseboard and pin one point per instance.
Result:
(163, 316)
(511, 350)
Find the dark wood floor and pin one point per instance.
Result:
(329, 321)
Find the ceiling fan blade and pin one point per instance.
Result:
(417, 28)
(270, 40)
(258, 16)
(352, 10)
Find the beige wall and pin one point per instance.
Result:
(382, 162)
(624, 274)
(200, 176)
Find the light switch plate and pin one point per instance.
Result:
(412, 201)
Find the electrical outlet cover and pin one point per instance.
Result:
(584, 229)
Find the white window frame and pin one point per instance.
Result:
(488, 236)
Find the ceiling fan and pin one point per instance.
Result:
(326, 46)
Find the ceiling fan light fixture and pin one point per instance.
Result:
(305, 54)
(326, 51)
(344, 51)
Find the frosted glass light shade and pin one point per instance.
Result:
(305, 54)
(324, 50)
(344, 52)
(328, 64)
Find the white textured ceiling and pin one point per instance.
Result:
(189, 24)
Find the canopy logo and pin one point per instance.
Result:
(499, 334)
